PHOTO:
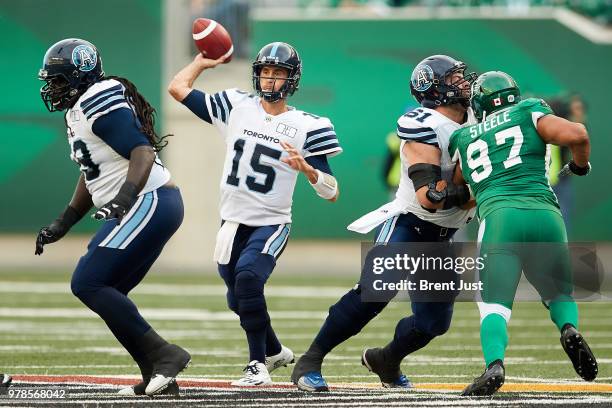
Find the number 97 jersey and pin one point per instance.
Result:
(256, 186)
(504, 160)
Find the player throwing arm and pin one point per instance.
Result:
(267, 144)
(504, 159)
(112, 137)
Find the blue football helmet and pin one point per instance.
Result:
(283, 55)
(70, 66)
(428, 83)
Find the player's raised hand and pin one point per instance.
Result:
(206, 63)
(297, 162)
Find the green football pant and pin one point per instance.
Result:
(513, 241)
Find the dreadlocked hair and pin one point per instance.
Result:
(145, 113)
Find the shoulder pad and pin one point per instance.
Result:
(102, 96)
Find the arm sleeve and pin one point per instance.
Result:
(215, 108)
(321, 140)
(419, 135)
(196, 103)
(320, 162)
(120, 130)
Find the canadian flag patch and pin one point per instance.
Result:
(497, 101)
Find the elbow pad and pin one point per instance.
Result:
(326, 185)
(423, 174)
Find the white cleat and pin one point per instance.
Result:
(280, 360)
(255, 374)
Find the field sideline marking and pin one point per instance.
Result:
(193, 382)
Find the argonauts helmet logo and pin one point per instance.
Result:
(84, 57)
(422, 78)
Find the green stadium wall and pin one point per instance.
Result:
(357, 73)
(36, 175)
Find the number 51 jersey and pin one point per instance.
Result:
(256, 186)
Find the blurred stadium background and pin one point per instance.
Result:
(358, 56)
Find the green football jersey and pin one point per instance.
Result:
(504, 160)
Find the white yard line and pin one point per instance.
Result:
(180, 290)
(155, 314)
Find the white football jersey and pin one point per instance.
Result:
(428, 126)
(256, 187)
(104, 169)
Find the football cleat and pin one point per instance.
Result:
(255, 374)
(139, 389)
(488, 383)
(312, 382)
(168, 361)
(5, 380)
(390, 374)
(579, 353)
(307, 363)
(280, 360)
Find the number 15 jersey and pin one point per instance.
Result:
(256, 186)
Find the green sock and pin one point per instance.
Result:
(493, 338)
(563, 312)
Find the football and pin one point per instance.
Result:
(212, 39)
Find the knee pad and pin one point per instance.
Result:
(408, 335)
(232, 302)
(433, 320)
(80, 289)
(251, 303)
(487, 309)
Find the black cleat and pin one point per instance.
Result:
(390, 374)
(579, 353)
(139, 390)
(488, 383)
(5, 381)
(168, 361)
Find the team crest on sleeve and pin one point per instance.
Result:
(84, 57)
(422, 78)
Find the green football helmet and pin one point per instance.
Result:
(492, 91)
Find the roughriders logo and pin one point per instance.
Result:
(422, 78)
(84, 57)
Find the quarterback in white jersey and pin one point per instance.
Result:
(112, 137)
(256, 186)
(425, 210)
(267, 144)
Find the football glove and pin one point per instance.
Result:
(120, 205)
(571, 168)
(57, 229)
